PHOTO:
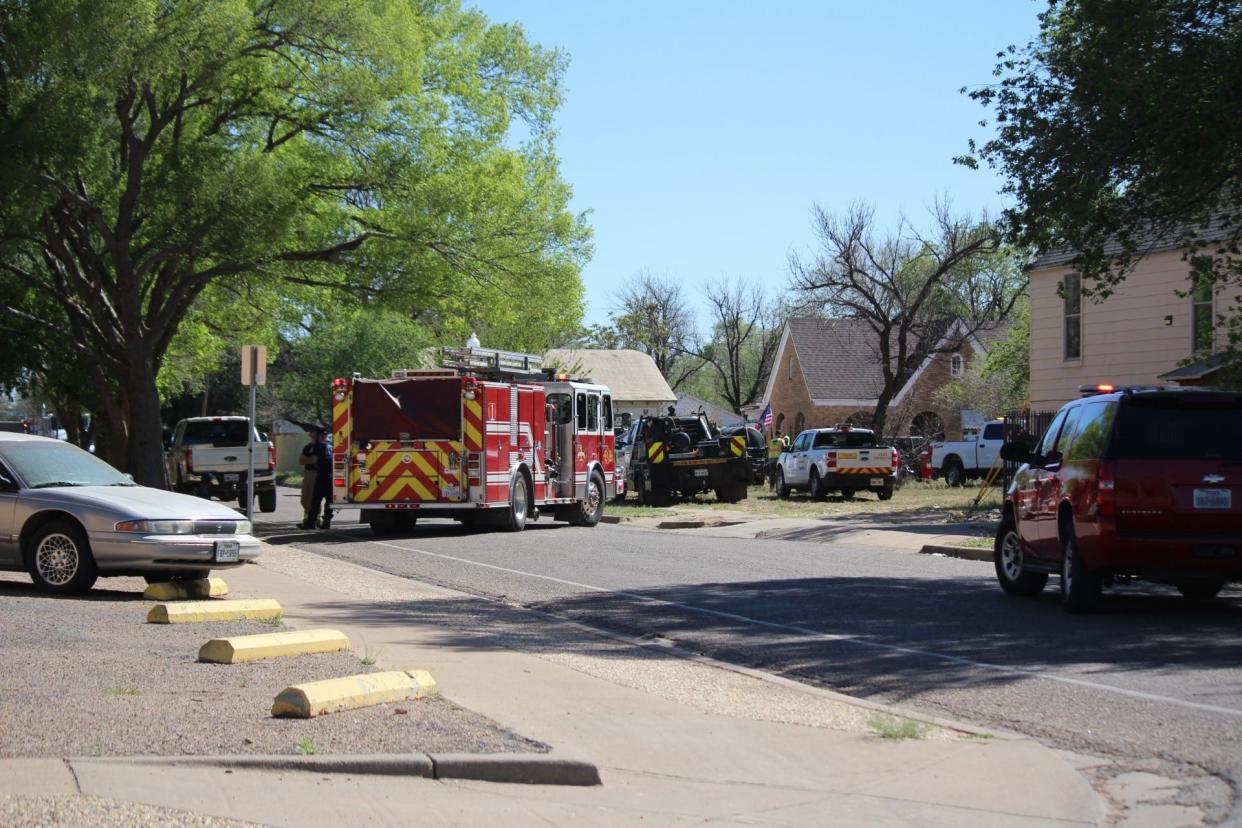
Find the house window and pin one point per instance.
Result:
(955, 366)
(1072, 290)
(1201, 313)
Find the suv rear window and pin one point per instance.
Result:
(1178, 428)
(225, 433)
(844, 439)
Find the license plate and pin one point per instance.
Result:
(1213, 499)
(227, 551)
(700, 472)
(230, 478)
(877, 481)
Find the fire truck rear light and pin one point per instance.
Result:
(339, 482)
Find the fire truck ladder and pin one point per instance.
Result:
(489, 360)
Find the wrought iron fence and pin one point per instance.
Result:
(1025, 426)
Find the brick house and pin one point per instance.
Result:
(826, 372)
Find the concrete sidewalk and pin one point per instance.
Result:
(677, 741)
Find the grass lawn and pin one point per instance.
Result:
(917, 498)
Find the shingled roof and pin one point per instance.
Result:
(1144, 243)
(631, 375)
(839, 358)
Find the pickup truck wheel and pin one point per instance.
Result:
(590, 510)
(267, 500)
(817, 487)
(884, 494)
(60, 560)
(954, 473)
(1007, 557)
(1080, 587)
(782, 490)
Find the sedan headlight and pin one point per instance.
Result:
(157, 527)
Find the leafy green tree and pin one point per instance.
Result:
(1118, 125)
(152, 149)
(370, 341)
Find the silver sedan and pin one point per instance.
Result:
(67, 518)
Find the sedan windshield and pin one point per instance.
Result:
(46, 465)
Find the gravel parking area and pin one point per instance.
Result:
(89, 677)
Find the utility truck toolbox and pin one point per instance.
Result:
(488, 438)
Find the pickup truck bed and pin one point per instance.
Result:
(209, 457)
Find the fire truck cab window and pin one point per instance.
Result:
(608, 412)
(561, 409)
(593, 413)
(582, 412)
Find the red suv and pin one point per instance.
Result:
(1130, 483)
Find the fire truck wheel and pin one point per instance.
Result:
(514, 519)
(591, 509)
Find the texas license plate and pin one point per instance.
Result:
(1213, 499)
(230, 478)
(700, 472)
(877, 481)
(227, 551)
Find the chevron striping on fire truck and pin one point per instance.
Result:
(488, 438)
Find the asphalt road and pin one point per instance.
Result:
(1150, 681)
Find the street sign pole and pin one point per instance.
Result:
(254, 373)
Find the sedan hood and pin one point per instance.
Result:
(136, 502)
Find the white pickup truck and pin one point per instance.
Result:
(209, 457)
(959, 460)
(843, 459)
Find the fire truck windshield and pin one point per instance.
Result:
(420, 409)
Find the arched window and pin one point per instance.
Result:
(955, 366)
(927, 425)
(780, 422)
(799, 424)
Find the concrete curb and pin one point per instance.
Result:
(513, 768)
(610, 519)
(965, 552)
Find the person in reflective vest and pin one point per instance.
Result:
(774, 455)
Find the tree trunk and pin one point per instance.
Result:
(146, 436)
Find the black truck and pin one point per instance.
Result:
(683, 456)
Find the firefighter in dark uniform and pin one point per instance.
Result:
(318, 456)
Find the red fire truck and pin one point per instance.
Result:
(488, 439)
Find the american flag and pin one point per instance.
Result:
(766, 419)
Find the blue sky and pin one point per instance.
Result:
(700, 134)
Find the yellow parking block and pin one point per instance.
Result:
(186, 612)
(315, 698)
(272, 645)
(181, 590)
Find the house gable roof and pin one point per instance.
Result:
(839, 358)
(629, 374)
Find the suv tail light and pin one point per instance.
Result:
(896, 462)
(189, 460)
(831, 462)
(1106, 488)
